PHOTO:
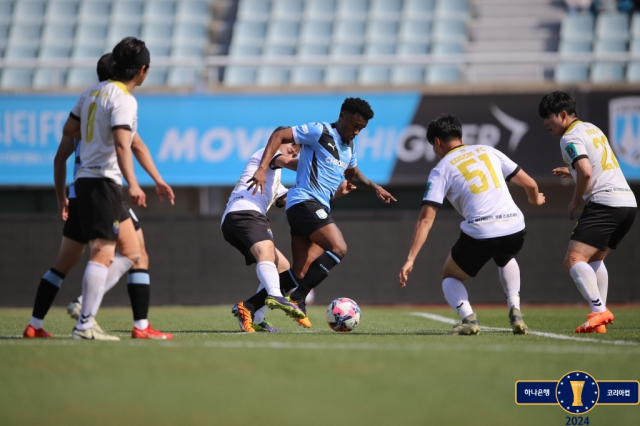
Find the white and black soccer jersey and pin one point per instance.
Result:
(607, 185)
(242, 198)
(473, 178)
(101, 109)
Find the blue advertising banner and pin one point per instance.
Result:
(198, 139)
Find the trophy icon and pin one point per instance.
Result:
(577, 388)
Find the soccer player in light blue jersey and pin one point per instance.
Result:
(327, 156)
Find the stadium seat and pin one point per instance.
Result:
(346, 49)
(61, 11)
(82, 77)
(249, 32)
(382, 31)
(349, 31)
(418, 9)
(279, 50)
(307, 75)
(607, 72)
(352, 9)
(635, 26)
(181, 77)
(45, 78)
(374, 75)
(87, 52)
(320, 9)
(633, 72)
(6, 10)
(194, 34)
(612, 26)
(51, 52)
(449, 30)
(609, 46)
(116, 32)
(447, 48)
(386, 9)
(287, 9)
(158, 49)
(158, 11)
(24, 34)
(577, 27)
(4, 34)
(316, 32)
(240, 76)
(156, 32)
(19, 52)
(187, 51)
(410, 49)
(192, 11)
(341, 75)
(456, 9)
(379, 49)
(313, 50)
(415, 31)
(94, 12)
(273, 76)
(254, 10)
(634, 46)
(57, 34)
(126, 11)
(239, 51)
(283, 32)
(90, 34)
(569, 72)
(157, 77)
(443, 74)
(16, 78)
(574, 46)
(408, 74)
(28, 11)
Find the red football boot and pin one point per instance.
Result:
(31, 332)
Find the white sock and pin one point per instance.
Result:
(117, 269)
(80, 299)
(141, 324)
(259, 315)
(457, 296)
(603, 278)
(95, 275)
(510, 280)
(587, 282)
(36, 323)
(268, 275)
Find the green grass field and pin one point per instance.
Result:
(394, 369)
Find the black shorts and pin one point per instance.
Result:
(603, 226)
(73, 228)
(307, 217)
(101, 208)
(242, 229)
(471, 254)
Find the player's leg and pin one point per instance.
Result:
(508, 248)
(70, 253)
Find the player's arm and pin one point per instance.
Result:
(71, 127)
(530, 187)
(122, 142)
(65, 149)
(562, 172)
(359, 180)
(583, 177)
(260, 176)
(143, 155)
(344, 188)
(420, 233)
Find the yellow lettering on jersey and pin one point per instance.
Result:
(94, 93)
(604, 159)
(461, 157)
(480, 149)
(592, 131)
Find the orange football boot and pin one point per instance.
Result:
(594, 320)
(245, 319)
(302, 321)
(31, 332)
(601, 329)
(150, 333)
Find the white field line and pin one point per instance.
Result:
(446, 320)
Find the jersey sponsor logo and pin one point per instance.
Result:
(624, 115)
(571, 150)
(304, 129)
(332, 146)
(336, 162)
(321, 214)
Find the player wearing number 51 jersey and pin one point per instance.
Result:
(474, 179)
(611, 205)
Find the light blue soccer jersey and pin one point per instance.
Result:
(76, 166)
(322, 162)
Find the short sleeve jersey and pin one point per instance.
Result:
(77, 162)
(607, 184)
(101, 109)
(242, 198)
(323, 160)
(474, 179)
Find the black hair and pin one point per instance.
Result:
(357, 106)
(280, 128)
(446, 127)
(105, 67)
(555, 103)
(124, 56)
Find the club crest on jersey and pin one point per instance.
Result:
(116, 227)
(321, 214)
(571, 150)
(304, 129)
(624, 129)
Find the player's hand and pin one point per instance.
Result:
(344, 188)
(572, 208)
(406, 269)
(258, 180)
(164, 190)
(385, 196)
(63, 208)
(562, 172)
(137, 196)
(540, 201)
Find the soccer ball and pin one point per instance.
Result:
(343, 314)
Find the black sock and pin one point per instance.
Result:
(139, 293)
(317, 272)
(256, 301)
(286, 282)
(47, 291)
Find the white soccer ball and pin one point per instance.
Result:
(343, 314)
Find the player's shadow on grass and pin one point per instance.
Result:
(11, 337)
